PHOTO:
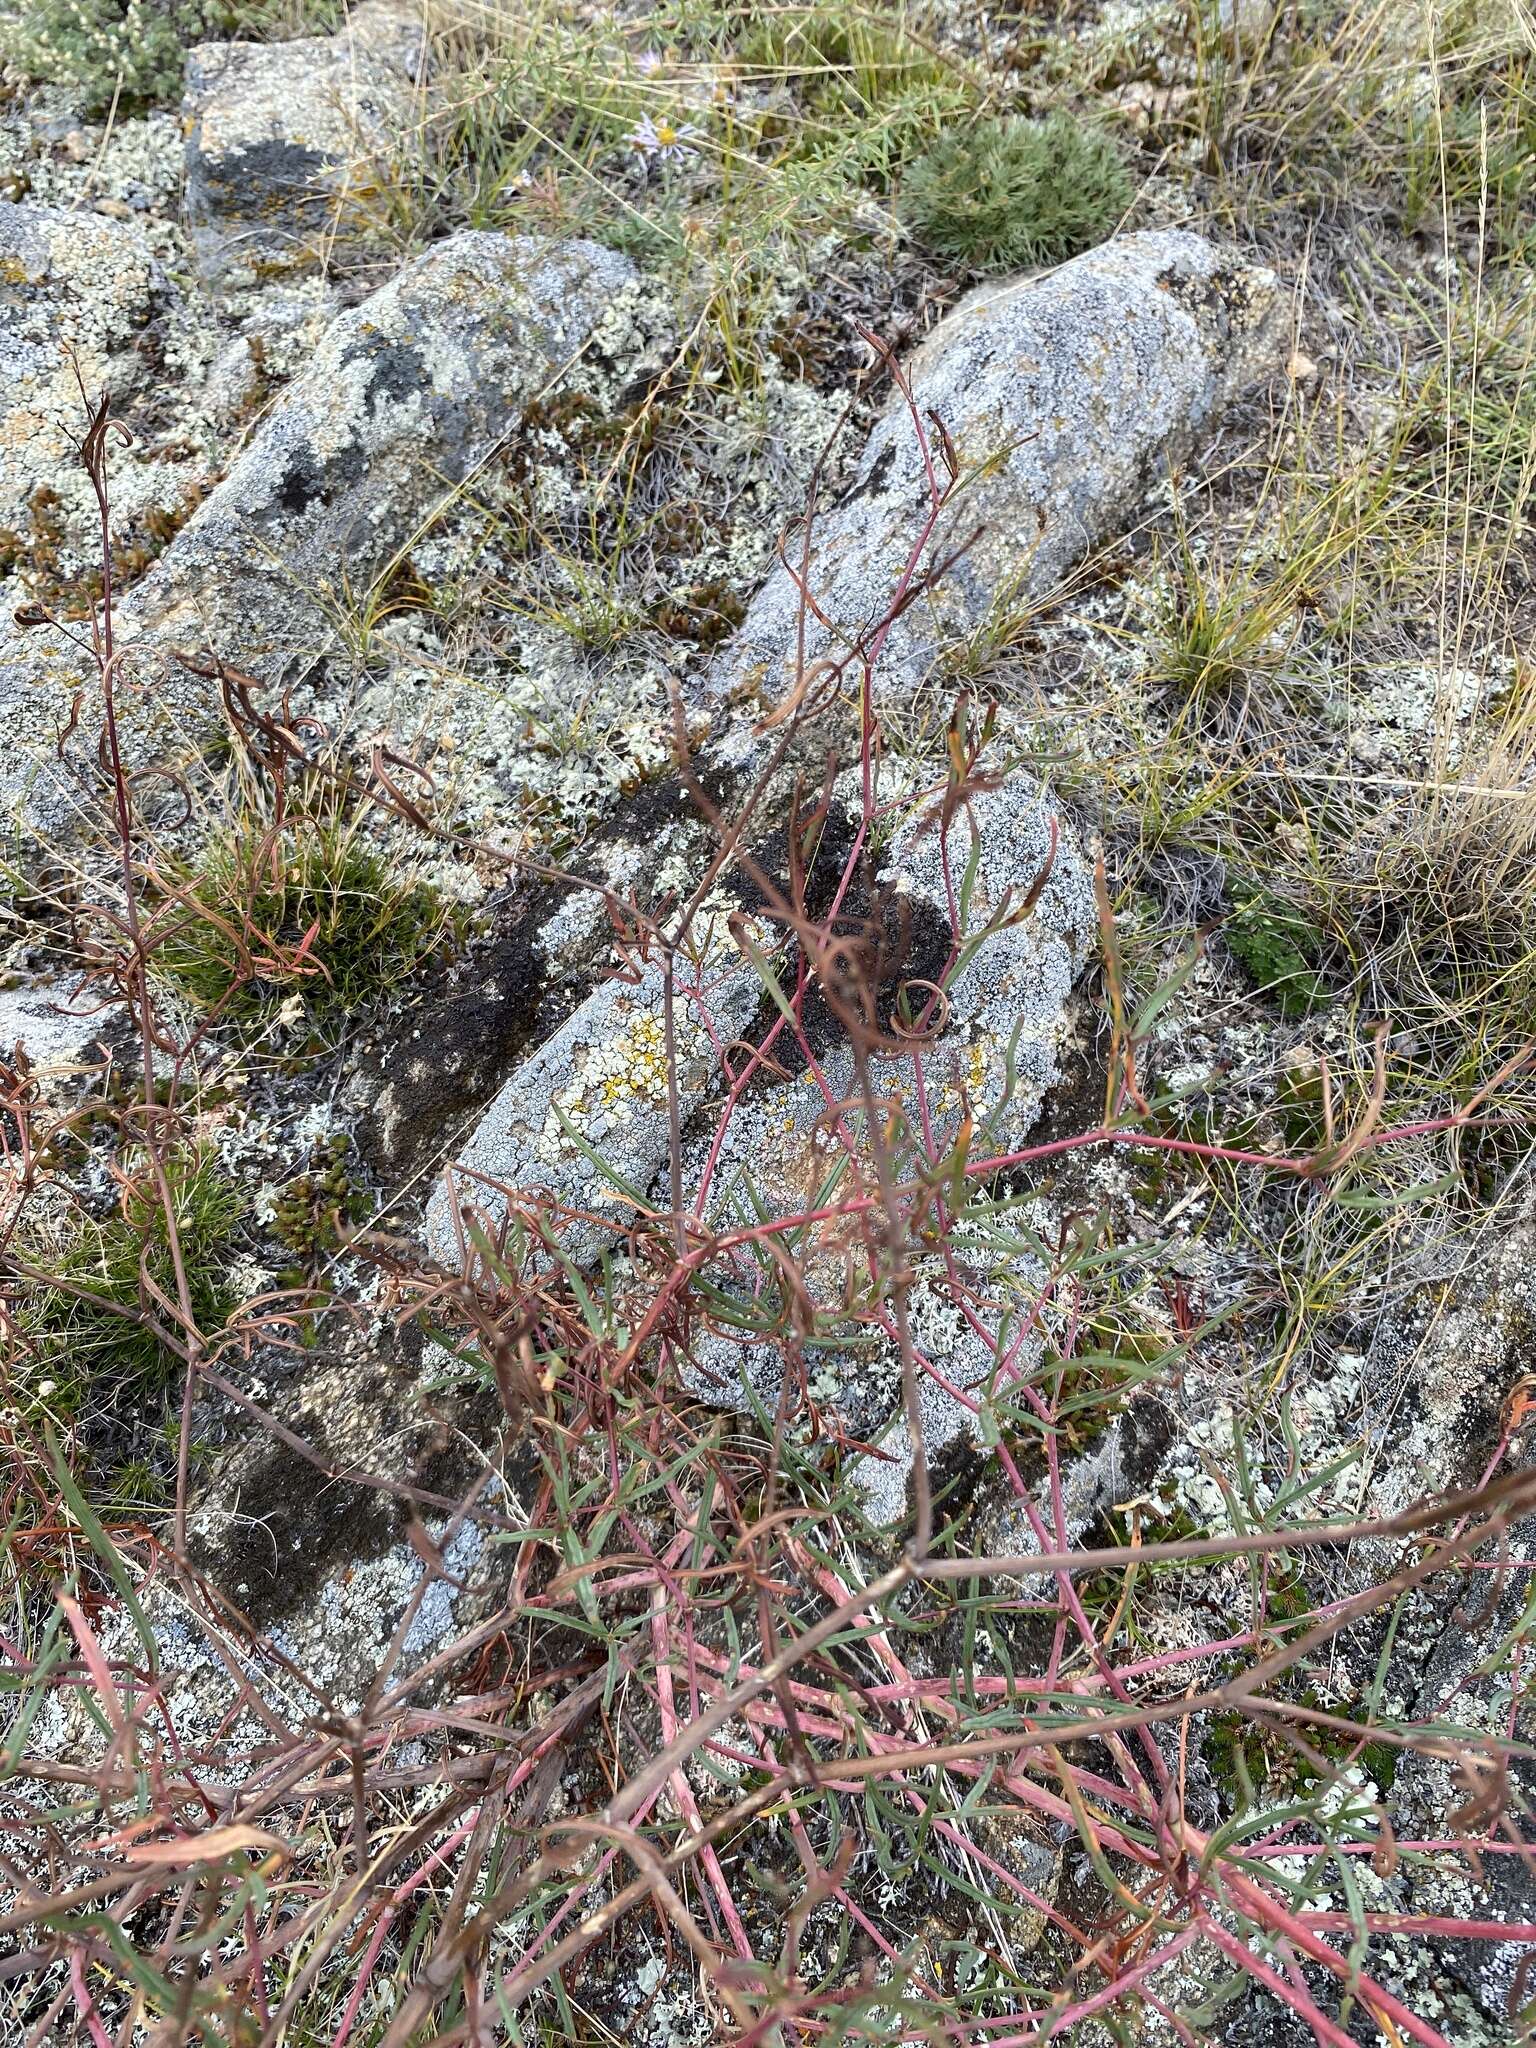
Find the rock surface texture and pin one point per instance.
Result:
(276, 132)
(53, 1035)
(75, 292)
(405, 394)
(86, 305)
(1007, 977)
(598, 1086)
(1064, 397)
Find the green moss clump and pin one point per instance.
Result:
(705, 613)
(1008, 193)
(315, 1207)
(1277, 947)
(1235, 1757)
(76, 1339)
(1381, 1760)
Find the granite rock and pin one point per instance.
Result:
(85, 305)
(56, 1031)
(404, 396)
(278, 133)
(598, 1086)
(1065, 398)
(1029, 929)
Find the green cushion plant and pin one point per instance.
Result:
(1005, 194)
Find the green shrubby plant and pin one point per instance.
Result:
(86, 1330)
(1277, 947)
(319, 910)
(872, 92)
(1008, 193)
(128, 52)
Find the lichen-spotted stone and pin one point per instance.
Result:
(403, 397)
(277, 132)
(598, 1090)
(1064, 396)
(1029, 929)
(598, 1087)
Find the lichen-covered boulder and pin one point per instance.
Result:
(405, 395)
(315, 1551)
(596, 1091)
(420, 1082)
(1064, 396)
(84, 301)
(75, 289)
(277, 132)
(989, 1050)
(1029, 923)
(1443, 1372)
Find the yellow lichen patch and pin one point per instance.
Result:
(617, 1077)
(641, 1067)
(967, 1079)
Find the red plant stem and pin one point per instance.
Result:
(1427, 1923)
(1112, 1994)
(1269, 1913)
(1295, 1996)
(436, 1859)
(85, 2005)
(682, 1791)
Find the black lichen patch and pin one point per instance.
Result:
(889, 946)
(1219, 302)
(1074, 1104)
(299, 484)
(879, 470)
(1146, 1432)
(292, 1528)
(957, 1476)
(476, 1017)
(305, 481)
(278, 1524)
(397, 372)
(654, 806)
(263, 177)
(471, 1023)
